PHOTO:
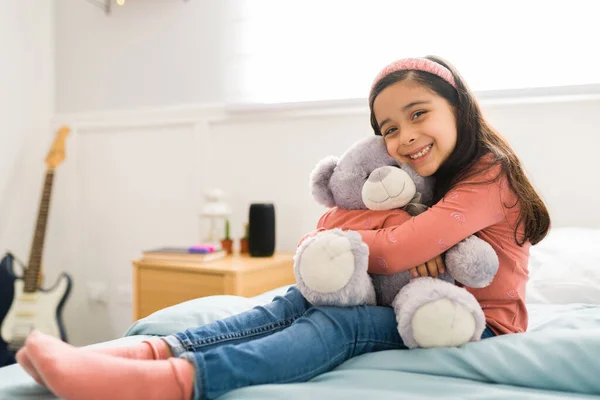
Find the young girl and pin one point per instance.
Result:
(430, 120)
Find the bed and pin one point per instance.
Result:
(558, 358)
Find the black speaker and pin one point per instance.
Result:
(261, 229)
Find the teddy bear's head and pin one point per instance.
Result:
(366, 177)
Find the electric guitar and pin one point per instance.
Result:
(24, 305)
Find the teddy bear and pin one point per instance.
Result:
(330, 266)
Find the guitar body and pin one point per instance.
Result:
(24, 305)
(7, 293)
(22, 312)
(41, 311)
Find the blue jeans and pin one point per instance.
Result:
(287, 340)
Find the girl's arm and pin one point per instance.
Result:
(462, 212)
(357, 220)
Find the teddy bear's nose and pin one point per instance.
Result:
(379, 174)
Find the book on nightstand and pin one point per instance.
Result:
(182, 254)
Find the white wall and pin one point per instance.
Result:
(26, 109)
(147, 53)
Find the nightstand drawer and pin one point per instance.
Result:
(159, 288)
(160, 284)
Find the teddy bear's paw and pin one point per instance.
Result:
(327, 264)
(472, 262)
(331, 269)
(442, 323)
(434, 313)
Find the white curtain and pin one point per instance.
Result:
(296, 51)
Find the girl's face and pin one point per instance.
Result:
(418, 125)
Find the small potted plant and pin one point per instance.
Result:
(227, 243)
(244, 247)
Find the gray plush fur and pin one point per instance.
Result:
(358, 290)
(424, 184)
(341, 184)
(425, 290)
(319, 181)
(387, 286)
(472, 262)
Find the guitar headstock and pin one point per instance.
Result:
(56, 155)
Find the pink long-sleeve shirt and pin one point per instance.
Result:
(398, 242)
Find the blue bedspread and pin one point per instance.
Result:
(559, 358)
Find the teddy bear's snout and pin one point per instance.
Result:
(388, 187)
(380, 174)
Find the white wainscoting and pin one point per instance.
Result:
(134, 180)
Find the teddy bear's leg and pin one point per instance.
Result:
(472, 262)
(435, 313)
(331, 269)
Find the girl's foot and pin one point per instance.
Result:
(152, 349)
(75, 373)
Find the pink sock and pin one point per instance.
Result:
(23, 359)
(75, 373)
(151, 349)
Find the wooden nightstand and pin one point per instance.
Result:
(160, 284)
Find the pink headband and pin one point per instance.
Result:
(419, 64)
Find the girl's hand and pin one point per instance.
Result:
(431, 268)
(310, 234)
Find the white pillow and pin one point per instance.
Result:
(565, 267)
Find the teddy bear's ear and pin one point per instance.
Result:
(319, 181)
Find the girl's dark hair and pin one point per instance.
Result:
(475, 138)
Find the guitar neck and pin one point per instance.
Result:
(32, 274)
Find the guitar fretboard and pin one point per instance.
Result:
(32, 273)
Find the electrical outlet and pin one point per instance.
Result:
(97, 292)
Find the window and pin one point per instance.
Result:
(296, 51)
